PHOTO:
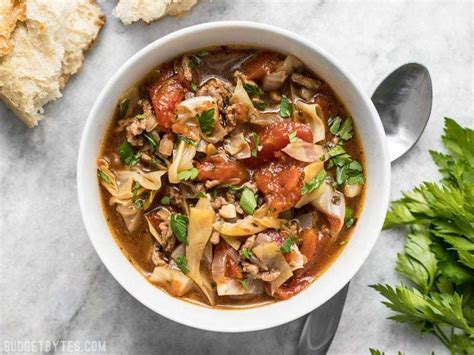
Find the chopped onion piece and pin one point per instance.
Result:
(305, 151)
(352, 190)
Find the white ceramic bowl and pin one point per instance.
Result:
(368, 126)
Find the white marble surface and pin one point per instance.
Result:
(52, 284)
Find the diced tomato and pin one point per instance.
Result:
(164, 97)
(274, 138)
(232, 269)
(281, 182)
(223, 170)
(292, 287)
(309, 243)
(259, 66)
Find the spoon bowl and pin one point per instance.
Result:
(403, 101)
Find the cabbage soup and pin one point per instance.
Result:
(231, 176)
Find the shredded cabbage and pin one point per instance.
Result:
(270, 255)
(304, 151)
(312, 114)
(182, 160)
(201, 218)
(172, 280)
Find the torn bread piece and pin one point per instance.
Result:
(129, 11)
(47, 48)
(11, 11)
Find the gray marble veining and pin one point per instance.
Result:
(52, 284)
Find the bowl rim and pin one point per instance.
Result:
(201, 321)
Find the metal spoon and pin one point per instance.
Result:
(403, 101)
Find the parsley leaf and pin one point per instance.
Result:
(253, 90)
(256, 142)
(244, 283)
(194, 87)
(123, 107)
(182, 263)
(185, 139)
(349, 219)
(206, 121)
(151, 141)
(292, 136)
(103, 176)
(179, 227)
(189, 174)
(246, 253)
(165, 200)
(259, 105)
(248, 202)
(286, 109)
(315, 182)
(195, 61)
(127, 155)
(343, 130)
(287, 244)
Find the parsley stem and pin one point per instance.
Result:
(441, 336)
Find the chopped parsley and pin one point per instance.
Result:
(189, 174)
(140, 117)
(165, 200)
(104, 177)
(127, 155)
(206, 121)
(348, 171)
(244, 283)
(185, 139)
(195, 61)
(292, 136)
(123, 107)
(200, 194)
(349, 219)
(314, 183)
(246, 253)
(151, 141)
(286, 108)
(182, 263)
(194, 87)
(256, 141)
(259, 105)
(287, 244)
(253, 90)
(343, 130)
(179, 227)
(247, 201)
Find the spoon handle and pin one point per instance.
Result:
(321, 324)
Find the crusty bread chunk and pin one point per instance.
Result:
(150, 10)
(11, 11)
(47, 48)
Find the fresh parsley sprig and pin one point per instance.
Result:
(438, 256)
